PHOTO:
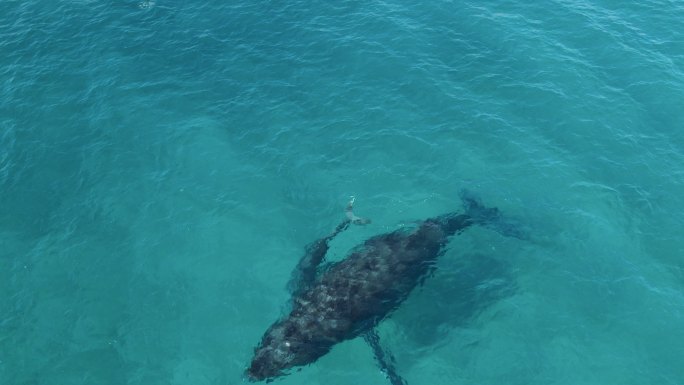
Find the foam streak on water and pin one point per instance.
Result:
(163, 163)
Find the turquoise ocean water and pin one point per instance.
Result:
(163, 164)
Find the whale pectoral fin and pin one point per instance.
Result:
(491, 217)
(349, 211)
(384, 357)
(304, 274)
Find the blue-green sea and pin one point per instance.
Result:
(163, 164)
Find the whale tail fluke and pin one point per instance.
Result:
(476, 210)
(491, 217)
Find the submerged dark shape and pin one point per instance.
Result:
(351, 297)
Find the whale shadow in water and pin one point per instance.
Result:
(460, 291)
(349, 298)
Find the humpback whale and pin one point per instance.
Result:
(350, 297)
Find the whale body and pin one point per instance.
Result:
(352, 296)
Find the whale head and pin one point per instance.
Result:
(285, 345)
